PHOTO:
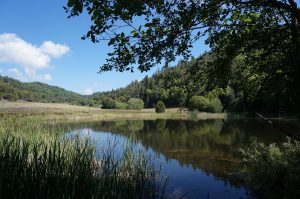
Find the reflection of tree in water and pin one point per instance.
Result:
(208, 145)
(199, 144)
(160, 125)
(120, 126)
(181, 136)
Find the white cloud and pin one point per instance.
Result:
(17, 74)
(55, 50)
(39, 77)
(17, 51)
(47, 77)
(88, 91)
(14, 50)
(23, 76)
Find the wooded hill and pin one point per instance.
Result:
(254, 50)
(12, 90)
(238, 89)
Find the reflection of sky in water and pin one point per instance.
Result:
(198, 183)
(198, 157)
(194, 183)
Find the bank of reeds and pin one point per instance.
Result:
(37, 162)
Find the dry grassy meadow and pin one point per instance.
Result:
(72, 112)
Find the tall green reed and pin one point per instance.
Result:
(36, 161)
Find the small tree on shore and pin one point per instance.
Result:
(160, 107)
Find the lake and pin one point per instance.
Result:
(199, 158)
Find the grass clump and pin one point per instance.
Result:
(46, 170)
(193, 115)
(36, 161)
(274, 170)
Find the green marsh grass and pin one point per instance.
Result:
(36, 161)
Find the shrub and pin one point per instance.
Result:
(108, 103)
(274, 170)
(199, 103)
(214, 106)
(135, 104)
(121, 105)
(122, 99)
(160, 107)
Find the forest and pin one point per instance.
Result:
(179, 86)
(12, 90)
(254, 48)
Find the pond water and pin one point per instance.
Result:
(198, 157)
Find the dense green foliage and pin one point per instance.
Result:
(108, 103)
(35, 163)
(263, 37)
(160, 107)
(172, 92)
(274, 170)
(135, 104)
(215, 105)
(12, 90)
(175, 86)
(199, 103)
(121, 105)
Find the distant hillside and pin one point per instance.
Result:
(12, 90)
(237, 90)
(173, 86)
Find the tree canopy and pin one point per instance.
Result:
(143, 33)
(165, 28)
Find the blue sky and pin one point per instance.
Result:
(55, 54)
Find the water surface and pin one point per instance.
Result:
(200, 158)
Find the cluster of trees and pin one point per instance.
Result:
(12, 90)
(8, 92)
(255, 46)
(131, 104)
(192, 84)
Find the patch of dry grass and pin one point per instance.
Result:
(78, 113)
